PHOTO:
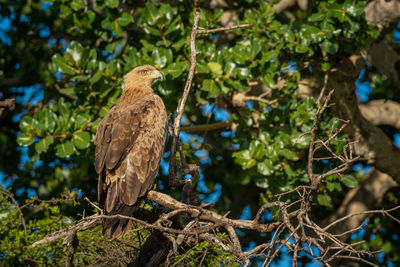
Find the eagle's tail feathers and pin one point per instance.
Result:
(117, 227)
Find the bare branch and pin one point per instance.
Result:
(382, 112)
(173, 180)
(7, 104)
(384, 212)
(207, 127)
(223, 29)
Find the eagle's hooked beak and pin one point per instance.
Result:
(158, 75)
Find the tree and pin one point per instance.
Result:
(271, 123)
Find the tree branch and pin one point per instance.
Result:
(206, 127)
(382, 112)
(5, 105)
(382, 12)
(223, 29)
(173, 180)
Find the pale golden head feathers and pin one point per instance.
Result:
(142, 76)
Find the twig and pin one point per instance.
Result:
(11, 196)
(206, 127)
(93, 205)
(384, 212)
(6, 104)
(173, 180)
(223, 29)
(260, 99)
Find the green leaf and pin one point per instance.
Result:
(112, 3)
(288, 170)
(151, 14)
(159, 58)
(229, 67)
(265, 167)
(323, 200)
(211, 87)
(257, 149)
(176, 69)
(261, 182)
(106, 23)
(316, 17)
(116, 28)
(25, 139)
(387, 247)
(28, 124)
(75, 49)
(325, 66)
(200, 68)
(68, 58)
(96, 77)
(268, 80)
(178, 45)
(271, 153)
(330, 47)
(81, 140)
(84, 56)
(103, 111)
(242, 73)
(259, 152)
(336, 11)
(215, 68)
(290, 155)
(77, 5)
(174, 26)
(301, 49)
(244, 159)
(311, 33)
(255, 48)
(355, 9)
(47, 120)
(349, 181)
(373, 30)
(249, 163)
(44, 144)
(302, 142)
(70, 91)
(65, 149)
(62, 64)
(81, 121)
(125, 19)
(331, 186)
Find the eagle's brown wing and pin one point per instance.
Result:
(129, 147)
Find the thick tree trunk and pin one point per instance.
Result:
(154, 251)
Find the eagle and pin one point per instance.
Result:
(129, 144)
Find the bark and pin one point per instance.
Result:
(382, 112)
(383, 57)
(7, 104)
(382, 12)
(153, 252)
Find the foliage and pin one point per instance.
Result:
(205, 253)
(15, 244)
(79, 55)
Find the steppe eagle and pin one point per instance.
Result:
(130, 143)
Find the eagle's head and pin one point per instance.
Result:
(142, 76)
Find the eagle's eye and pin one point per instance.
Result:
(144, 72)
